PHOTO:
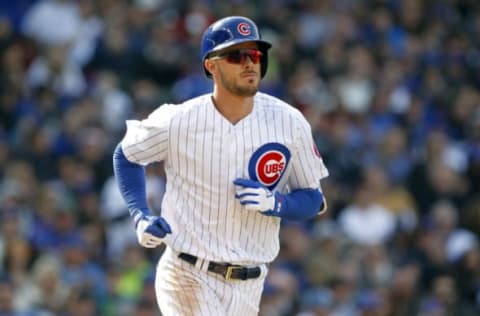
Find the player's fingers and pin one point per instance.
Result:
(147, 244)
(247, 192)
(153, 240)
(245, 195)
(252, 207)
(155, 243)
(248, 201)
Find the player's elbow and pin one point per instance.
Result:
(318, 202)
(119, 158)
(117, 153)
(323, 204)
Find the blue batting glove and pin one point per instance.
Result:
(151, 230)
(256, 197)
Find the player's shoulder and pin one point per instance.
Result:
(179, 109)
(194, 103)
(272, 103)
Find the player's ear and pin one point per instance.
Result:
(210, 65)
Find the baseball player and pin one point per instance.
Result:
(237, 162)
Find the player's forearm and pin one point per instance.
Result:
(130, 179)
(301, 204)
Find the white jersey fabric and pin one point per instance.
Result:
(203, 153)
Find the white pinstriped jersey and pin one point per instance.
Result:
(203, 153)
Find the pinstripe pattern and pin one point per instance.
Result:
(182, 290)
(203, 153)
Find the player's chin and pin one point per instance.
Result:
(251, 81)
(247, 91)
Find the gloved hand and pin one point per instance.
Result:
(151, 230)
(256, 197)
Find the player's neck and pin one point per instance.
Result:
(234, 108)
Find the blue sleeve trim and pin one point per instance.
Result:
(130, 179)
(300, 204)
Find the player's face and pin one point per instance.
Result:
(239, 69)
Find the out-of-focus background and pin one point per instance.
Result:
(390, 87)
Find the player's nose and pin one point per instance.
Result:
(248, 64)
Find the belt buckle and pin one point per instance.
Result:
(230, 269)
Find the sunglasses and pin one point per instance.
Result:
(239, 56)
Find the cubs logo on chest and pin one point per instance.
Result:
(268, 164)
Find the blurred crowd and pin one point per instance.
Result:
(390, 87)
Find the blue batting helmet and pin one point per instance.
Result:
(230, 31)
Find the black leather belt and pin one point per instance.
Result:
(228, 271)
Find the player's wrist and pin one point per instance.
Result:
(139, 215)
(141, 225)
(278, 202)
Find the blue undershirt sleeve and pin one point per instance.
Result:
(300, 204)
(130, 179)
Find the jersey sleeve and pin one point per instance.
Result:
(146, 141)
(307, 163)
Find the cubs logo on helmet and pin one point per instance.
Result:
(268, 164)
(244, 28)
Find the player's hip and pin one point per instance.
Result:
(192, 266)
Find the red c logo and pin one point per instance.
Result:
(244, 28)
(270, 166)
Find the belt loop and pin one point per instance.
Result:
(199, 263)
(204, 265)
